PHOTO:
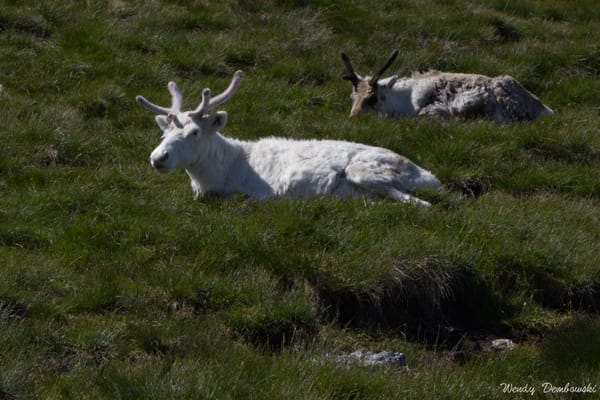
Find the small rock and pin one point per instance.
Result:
(368, 358)
(503, 344)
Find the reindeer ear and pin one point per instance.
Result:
(353, 78)
(163, 122)
(215, 122)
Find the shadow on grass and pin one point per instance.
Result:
(431, 301)
(441, 304)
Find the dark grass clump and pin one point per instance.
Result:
(430, 301)
(505, 31)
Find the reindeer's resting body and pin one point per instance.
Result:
(282, 167)
(278, 167)
(443, 94)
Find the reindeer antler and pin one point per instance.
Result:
(176, 97)
(378, 74)
(176, 101)
(205, 105)
(350, 75)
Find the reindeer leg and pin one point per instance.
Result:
(407, 198)
(381, 180)
(439, 110)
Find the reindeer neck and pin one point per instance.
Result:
(209, 172)
(397, 99)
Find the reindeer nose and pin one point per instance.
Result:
(163, 157)
(157, 159)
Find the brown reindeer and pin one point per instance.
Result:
(442, 94)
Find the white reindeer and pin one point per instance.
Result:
(442, 94)
(275, 167)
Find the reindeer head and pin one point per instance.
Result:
(186, 133)
(366, 93)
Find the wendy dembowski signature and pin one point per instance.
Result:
(547, 387)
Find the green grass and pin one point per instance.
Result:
(115, 283)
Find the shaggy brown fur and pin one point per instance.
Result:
(501, 97)
(443, 94)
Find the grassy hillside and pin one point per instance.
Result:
(115, 283)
